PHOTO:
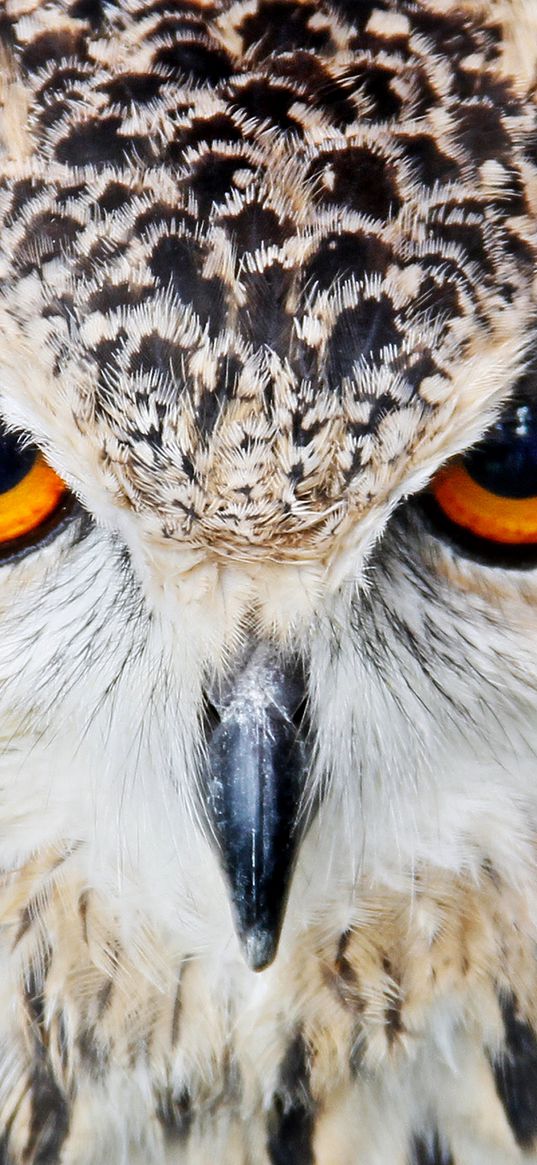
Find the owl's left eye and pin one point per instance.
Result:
(32, 496)
(488, 497)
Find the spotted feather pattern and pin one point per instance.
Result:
(358, 1013)
(259, 237)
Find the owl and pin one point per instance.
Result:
(268, 582)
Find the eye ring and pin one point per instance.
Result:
(508, 521)
(34, 500)
(494, 555)
(29, 502)
(485, 501)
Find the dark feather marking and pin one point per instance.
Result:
(53, 46)
(392, 1014)
(93, 1055)
(201, 63)
(7, 40)
(83, 911)
(34, 995)
(49, 1119)
(515, 1074)
(104, 995)
(429, 1151)
(176, 1015)
(26, 918)
(32, 910)
(62, 1044)
(394, 1024)
(342, 964)
(342, 977)
(175, 1114)
(490, 872)
(276, 27)
(49, 1122)
(291, 1120)
(92, 11)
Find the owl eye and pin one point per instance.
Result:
(32, 496)
(487, 498)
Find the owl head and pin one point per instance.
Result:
(266, 270)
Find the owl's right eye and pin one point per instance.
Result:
(486, 500)
(32, 495)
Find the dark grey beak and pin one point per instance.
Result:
(255, 783)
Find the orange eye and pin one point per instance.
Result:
(31, 492)
(507, 520)
(486, 500)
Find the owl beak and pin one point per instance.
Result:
(258, 760)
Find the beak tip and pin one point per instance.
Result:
(259, 948)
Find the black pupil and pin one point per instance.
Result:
(16, 461)
(505, 463)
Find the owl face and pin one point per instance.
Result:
(247, 325)
(165, 719)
